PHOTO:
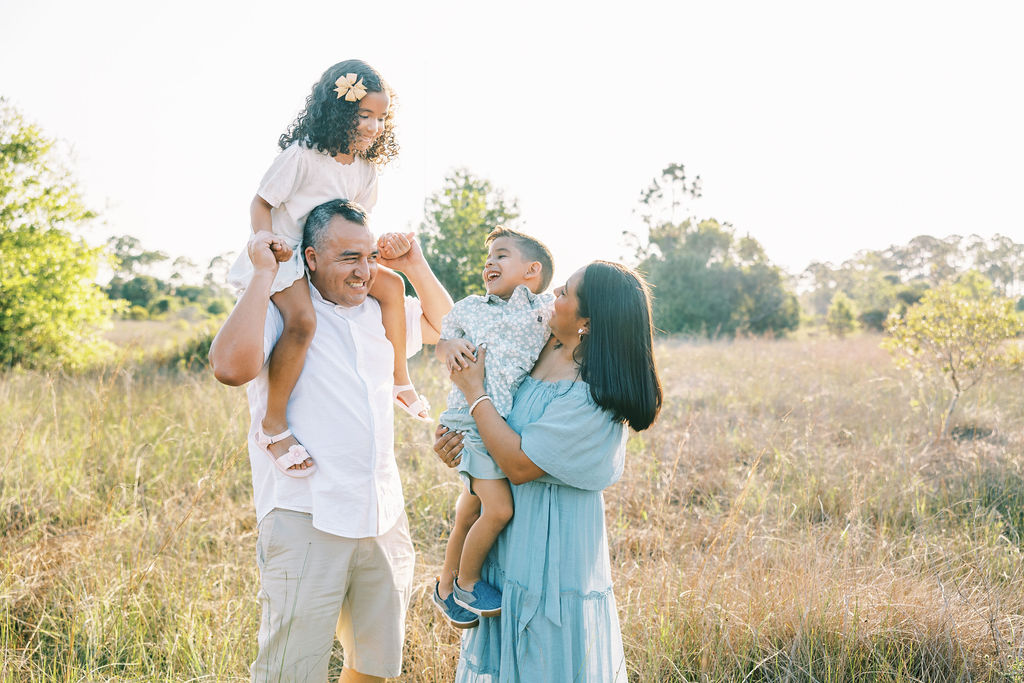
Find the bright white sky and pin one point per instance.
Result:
(820, 129)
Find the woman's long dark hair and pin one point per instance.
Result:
(329, 124)
(617, 356)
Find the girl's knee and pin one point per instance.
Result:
(302, 324)
(389, 286)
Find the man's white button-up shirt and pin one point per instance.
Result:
(341, 411)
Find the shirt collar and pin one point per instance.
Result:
(519, 293)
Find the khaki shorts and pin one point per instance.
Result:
(314, 585)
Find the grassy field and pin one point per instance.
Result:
(789, 518)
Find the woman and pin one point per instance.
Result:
(563, 443)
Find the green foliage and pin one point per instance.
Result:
(154, 296)
(129, 258)
(895, 278)
(957, 332)
(458, 218)
(705, 280)
(841, 318)
(50, 308)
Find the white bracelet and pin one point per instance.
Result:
(485, 397)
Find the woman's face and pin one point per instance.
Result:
(565, 321)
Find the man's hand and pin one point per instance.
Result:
(455, 353)
(266, 250)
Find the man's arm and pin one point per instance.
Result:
(434, 298)
(236, 354)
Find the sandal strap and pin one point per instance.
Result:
(397, 389)
(265, 439)
(293, 456)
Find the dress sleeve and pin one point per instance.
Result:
(283, 177)
(576, 442)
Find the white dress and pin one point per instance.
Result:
(299, 180)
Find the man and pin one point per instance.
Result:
(334, 551)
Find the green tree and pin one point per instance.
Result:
(129, 258)
(957, 332)
(50, 308)
(457, 219)
(841, 318)
(705, 279)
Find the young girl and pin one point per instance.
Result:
(332, 150)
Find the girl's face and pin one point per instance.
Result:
(373, 109)
(565, 320)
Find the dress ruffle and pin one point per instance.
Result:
(558, 617)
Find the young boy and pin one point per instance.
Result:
(511, 320)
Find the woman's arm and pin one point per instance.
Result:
(502, 442)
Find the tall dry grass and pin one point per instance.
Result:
(789, 518)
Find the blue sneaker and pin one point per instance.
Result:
(459, 618)
(484, 599)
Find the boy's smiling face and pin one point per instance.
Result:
(506, 268)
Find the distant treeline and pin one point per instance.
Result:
(144, 295)
(706, 280)
(879, 282)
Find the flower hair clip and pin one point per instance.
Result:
(351, 87)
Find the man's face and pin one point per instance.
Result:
(344, 267)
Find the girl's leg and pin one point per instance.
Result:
(496, 510)
(286, 361)
(389, 289)
(467, 511)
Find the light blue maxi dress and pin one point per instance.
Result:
(558, 621)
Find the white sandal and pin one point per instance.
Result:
(295, 455)
(414, 409)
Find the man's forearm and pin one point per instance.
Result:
(236, 354)
(434, 298)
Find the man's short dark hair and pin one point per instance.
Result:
(531, 248)
(315, 230)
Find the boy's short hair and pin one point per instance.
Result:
(531, 248)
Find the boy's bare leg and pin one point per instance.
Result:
(467, 511)
(495, 512)
(286, 361)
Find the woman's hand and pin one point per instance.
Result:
(470, 379)
(448, 445)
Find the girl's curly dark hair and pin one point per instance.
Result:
(328, 124)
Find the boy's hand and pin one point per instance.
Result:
(455, 353)
(392, 245)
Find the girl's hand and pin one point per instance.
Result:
(265, 249)
(470, 380)
(411, 257)
(392, 245)
(281, 250)
(455, 353)
(448, 445)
